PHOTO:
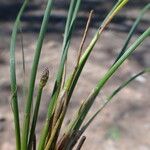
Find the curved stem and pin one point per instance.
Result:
(13, 76)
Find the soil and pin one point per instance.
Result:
(125, 123)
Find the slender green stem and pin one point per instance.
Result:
(75, 125)
(42, 83)
(89, 101)
(27, 114)
(34, 120)
(64, 55)
(13, 76)
(90, 47)
(70, 24)
(115, 92)
(132, 30)
(121, 60)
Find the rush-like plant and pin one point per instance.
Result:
(50, 138)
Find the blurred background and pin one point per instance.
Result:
(125, 123)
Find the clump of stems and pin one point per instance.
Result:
(50, 138)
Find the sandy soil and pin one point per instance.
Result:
(125, 123)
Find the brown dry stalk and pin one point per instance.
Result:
(84, 36)
(59, 107)
(56, 129)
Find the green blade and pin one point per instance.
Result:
(132, 30)
(13, 75)
(114, 93)
(27, 114)
(89, 49)
(75, 124)
(73, 10)
(43, 81)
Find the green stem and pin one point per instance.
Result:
(90, 47)
(35, 115)
(115, 92)
(13, 76)
(121, 60)
(89, 101)
(26, 122)
(70, 24)
(42, 83)
(132, 30)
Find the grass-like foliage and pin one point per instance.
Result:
(50, 138)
